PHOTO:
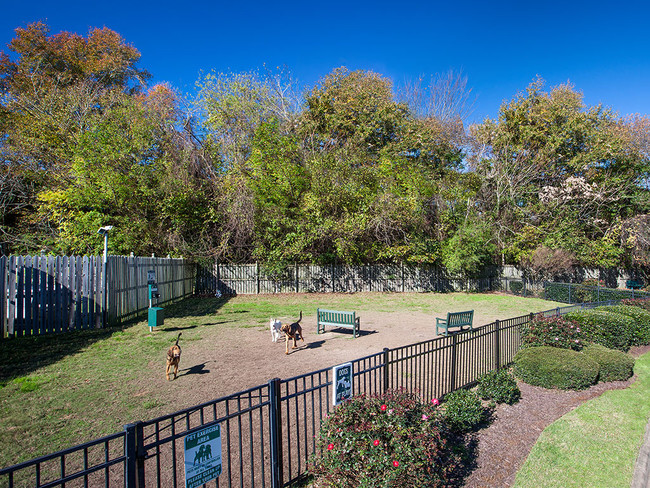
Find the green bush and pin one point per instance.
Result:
(608, 329)
(393, 439)
(643, 303)
(552, 331)
(641, 317)
(499, 386)
(516, 287)
(614, 365)
(557, 292)
(552, 367)
(464, 410)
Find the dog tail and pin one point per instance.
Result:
(179, 336)
(300, 316)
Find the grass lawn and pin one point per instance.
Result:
(58, 391)
(595, 445)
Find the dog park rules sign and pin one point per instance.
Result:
(202, 456)
(342, 377)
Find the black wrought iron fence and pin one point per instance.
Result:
(578, 293)
(269, 432)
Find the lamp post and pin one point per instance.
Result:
(104, 231)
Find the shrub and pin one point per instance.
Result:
(614, 365)
(641, 317)
(552, 367)
(552, 331)
(499, 386)
(464, 410)
(393, 439)
(608, 329)
(643, 303)
(516, 287)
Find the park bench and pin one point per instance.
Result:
(633, 284)
(348, 320)
(454, 319)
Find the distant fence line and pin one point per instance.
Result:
(578, 293)
(269, 431)
(49, 294)
(246, 279)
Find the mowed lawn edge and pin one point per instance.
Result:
(596, 444)
(61, 390)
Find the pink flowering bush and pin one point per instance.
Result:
(394, 439)
(553, 331)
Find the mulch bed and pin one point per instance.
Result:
(505, 444)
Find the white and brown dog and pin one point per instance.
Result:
(275, 326)
(292, 331)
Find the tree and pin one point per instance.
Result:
(557, 173)
(53, 88)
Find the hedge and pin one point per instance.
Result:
(641, 317)
(612, 330)
(552, 367)
(614, 365)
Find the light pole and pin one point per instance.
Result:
(104, 231)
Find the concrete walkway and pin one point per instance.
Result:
(642, 469)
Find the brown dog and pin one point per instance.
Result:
(292, 331)
(173, 358)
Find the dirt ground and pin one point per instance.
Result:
(246, 357)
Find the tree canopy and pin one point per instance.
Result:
(351, 170)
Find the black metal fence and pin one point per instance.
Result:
(269, 431)
(578, 293)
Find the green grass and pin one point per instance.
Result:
(595, 445)
(60, 390)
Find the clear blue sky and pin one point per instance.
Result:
(603, 48)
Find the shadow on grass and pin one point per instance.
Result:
(21, 356)
(195, 307)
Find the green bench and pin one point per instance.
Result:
(454, 319)
(336, 318)
(633, 284)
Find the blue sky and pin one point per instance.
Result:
(603, 48)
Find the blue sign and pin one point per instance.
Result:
(202, 456)
(342, 383)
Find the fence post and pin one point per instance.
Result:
(386, 369)
(497, 344)
(454, 342)
(134, 469)
(297, 279)
(275, 428)
(257, 276)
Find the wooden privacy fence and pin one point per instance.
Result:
(46, 294)
(49, 294)
(128, 292)
(231, 279)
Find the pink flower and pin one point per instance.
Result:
(435, 401)
(375, 442)
(383, 408)
(390, 411)
(330, 447)
(396, 463)
(424, 417)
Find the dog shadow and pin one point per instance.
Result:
(174, 329)
(314, 345)
(196, 369)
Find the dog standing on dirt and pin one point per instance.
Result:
(173, 358)
(292, 331)
(275, 325)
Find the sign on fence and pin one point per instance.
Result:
(202, 456)
(342, 378)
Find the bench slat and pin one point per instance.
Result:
(337, 318)
(455, 319)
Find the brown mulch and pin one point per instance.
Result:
(505, 444)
